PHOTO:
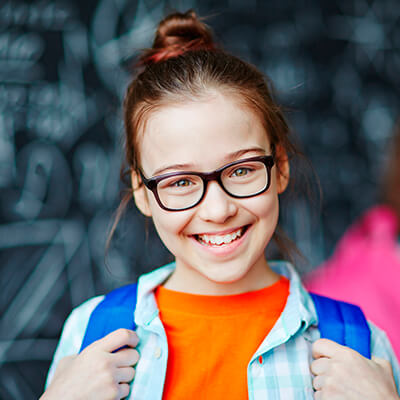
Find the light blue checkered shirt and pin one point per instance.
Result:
(286, 351)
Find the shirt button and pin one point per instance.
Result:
(157, 352)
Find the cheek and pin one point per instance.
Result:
(265, 207)
(169, 224)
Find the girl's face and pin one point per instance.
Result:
(203, 136)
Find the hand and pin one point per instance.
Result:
(342, 373)
(97, 373)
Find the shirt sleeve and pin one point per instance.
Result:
(72, 334)
(381, 347)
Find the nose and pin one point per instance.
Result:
(217, 206)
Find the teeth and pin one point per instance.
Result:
(219, 240)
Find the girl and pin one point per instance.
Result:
(207, 149)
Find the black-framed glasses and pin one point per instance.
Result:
(178, 191)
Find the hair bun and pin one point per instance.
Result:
(176, 34)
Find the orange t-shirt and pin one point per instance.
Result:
(211, 339)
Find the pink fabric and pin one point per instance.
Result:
(365, 270)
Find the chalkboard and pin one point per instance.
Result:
(64, 67)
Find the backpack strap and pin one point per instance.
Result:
(115, 311)
(343, 323)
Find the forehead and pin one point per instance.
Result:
(200, 133)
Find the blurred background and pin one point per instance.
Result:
(64, 67)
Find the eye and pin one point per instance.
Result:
(181, 183)
(241, 171)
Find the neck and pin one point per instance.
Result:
(188, 280)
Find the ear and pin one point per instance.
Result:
(282, 169)
(140, 194)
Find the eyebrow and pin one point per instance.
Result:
(229, 157)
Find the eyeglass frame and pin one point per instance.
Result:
(151, 183)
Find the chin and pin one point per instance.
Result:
(228, 277)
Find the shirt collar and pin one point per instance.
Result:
(299, 312)
(146, 306)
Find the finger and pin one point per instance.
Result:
(126, 357)
(124, 390)
(326, 348)
(117, 339)
(320, 366)
(318, 382)
(125, 374)
(318, 395)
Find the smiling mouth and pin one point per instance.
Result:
(221, 240)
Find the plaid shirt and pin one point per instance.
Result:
(283, 371)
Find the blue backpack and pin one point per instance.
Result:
(341, 322)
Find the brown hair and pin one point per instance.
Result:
(391, 182)
(183, 65)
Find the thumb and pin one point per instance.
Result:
(385, 364)
(66, 361)
(64, 364)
